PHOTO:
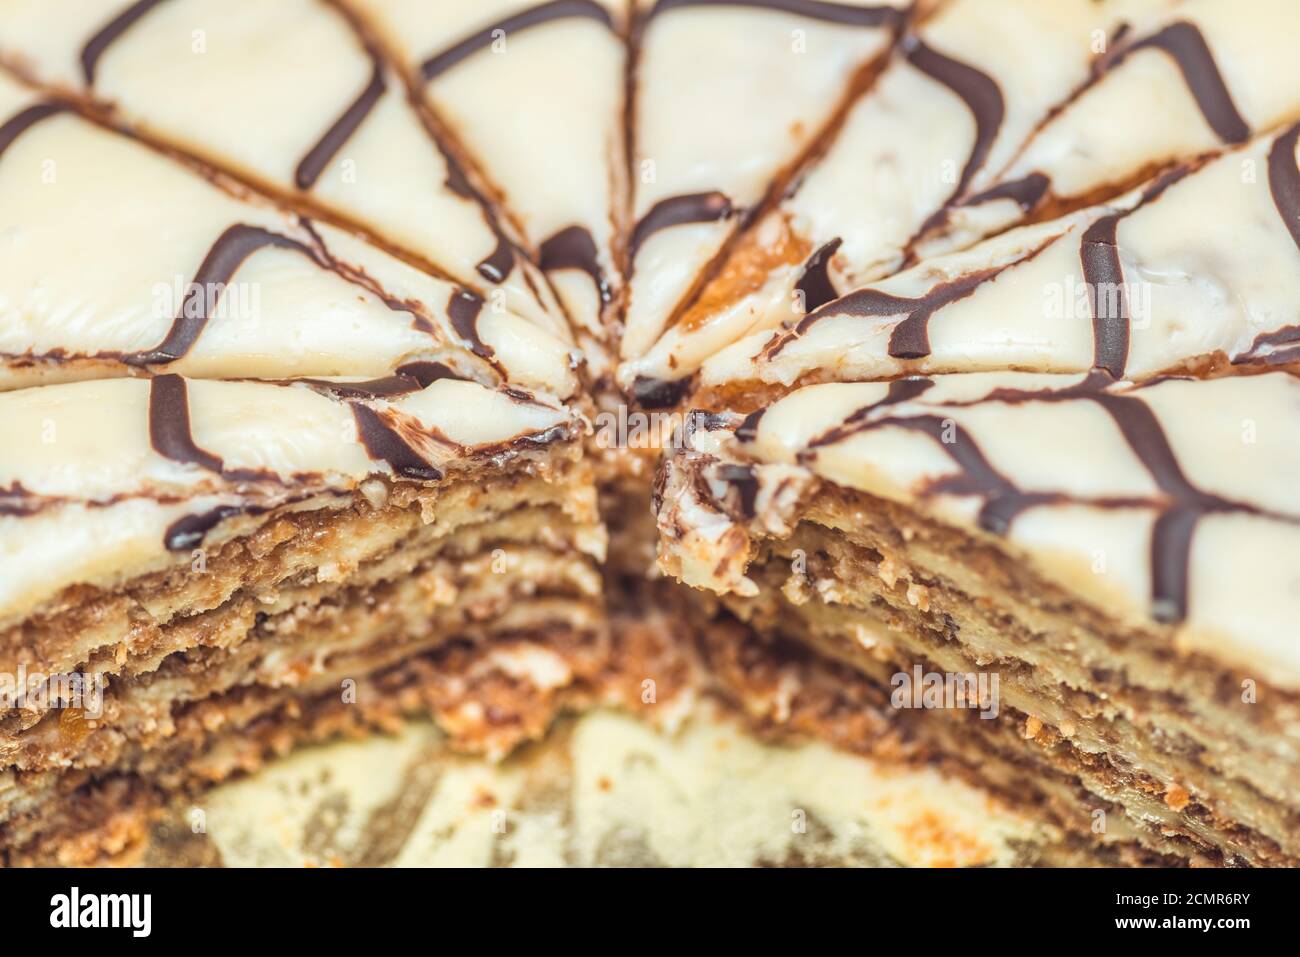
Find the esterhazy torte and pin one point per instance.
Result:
(331, 333)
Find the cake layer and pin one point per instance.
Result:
(1185, 79)
(948, 111)
(122, 478)
(195, 552)
(1137, 743)
(281, 617)
(957, 141)
(492, 686)
(292, 97)
(810, 689)
(480, 693)
(1137, 287)
(122, 261)
(1066, 537)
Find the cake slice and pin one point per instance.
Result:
(201, 569)
(728, 98)
(293, 98)
(198, 573)
(948, 111)
(534, 93)
(122, 261)
(1194, 272)
(1193, 78)
(1083, 591)
(958, 141)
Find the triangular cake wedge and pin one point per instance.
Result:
(949, 111)
(1199, 271)
(291, 97)
(120, 261)
(1110, 567)
(1201, 76)
(534, 92)
(728, 97)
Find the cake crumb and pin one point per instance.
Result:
(864, 636)
(918, 596)
(1032, 727)
(1177, 797)
(888, 572)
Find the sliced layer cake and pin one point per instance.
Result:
(1082, 591)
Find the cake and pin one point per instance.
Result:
(359, 358)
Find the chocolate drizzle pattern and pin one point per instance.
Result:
(319, 156)
(411, 377)
(708, 207)
(899, 390)
(543, 13)
(1102, 271)
(1103, 275)
(574, 248)
(105, 37)
(1284, 185)
(844, 14)
(384, 444)
(1184, 42)
(15, 500)
(169, 424)
(1179, 503)
(910, 338)
(1027, 192)
(222, 261)
(498, 266)
(815, 284)
(1284, 180)
(747, 431)
(378, 429)
(743, 479)
(977, 89)
(23, 120)
(189, 531)
(227, 254)
(464, 308)
(660, 393)
(1171, 539)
